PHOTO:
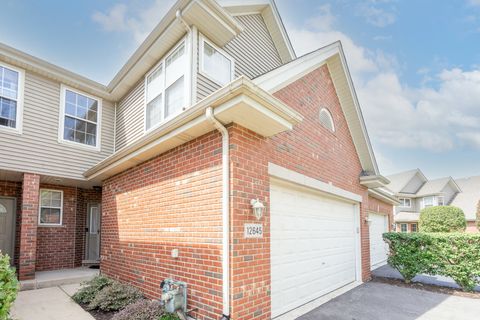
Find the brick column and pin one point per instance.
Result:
(28, 226)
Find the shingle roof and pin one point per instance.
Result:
(433, 186)
(467, 199)
(399, 180)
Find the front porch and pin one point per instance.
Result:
(56, 278)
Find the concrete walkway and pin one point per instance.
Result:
(49, 304)
(380, 301)
(55, 278)
(388, 272)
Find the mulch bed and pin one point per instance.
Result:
(428, 287)
(97, 314)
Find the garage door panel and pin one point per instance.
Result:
(312, 246)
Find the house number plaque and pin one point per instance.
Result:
(253, 230)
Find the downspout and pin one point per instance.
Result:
(225, 212)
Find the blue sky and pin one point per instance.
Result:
(415, 64)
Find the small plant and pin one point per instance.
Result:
(141, 310)
(115, 297)
(442, 219)
(90, 289)
(169, 316)
(8, 286)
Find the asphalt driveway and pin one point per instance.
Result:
(379, 301)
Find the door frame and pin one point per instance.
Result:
(14, 233)
(87, 226)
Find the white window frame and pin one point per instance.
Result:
(61, 122)
(40, 208)
(20, 100)
(402, 203)
(187, 83)
(406, 227)
(423, 202)
(201, 69)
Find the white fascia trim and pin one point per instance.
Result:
(303, 180)
(296, 69)
(384, 197)
(283, 31)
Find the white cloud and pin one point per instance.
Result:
(474, 2)
(132, 19)
(376, 16)
(435, 118)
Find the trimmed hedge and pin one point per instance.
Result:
(455, 255)
(8, 286)
(442, 219)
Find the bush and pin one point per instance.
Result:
(8, 286)
(169, 316)
(141, 310)
(455, 255)
(442, 219)
(115, 297)
(90, 289)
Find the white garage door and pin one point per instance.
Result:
(378, 247)
(313, 245)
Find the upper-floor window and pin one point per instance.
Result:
(51, 207)
(326, 119)
(215, 63)
(11, 97)
(428, 201)
(166, 89)
(80, 118)
(440, 200)
(405, 202)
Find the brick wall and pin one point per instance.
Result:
(171, 201)
(28, 226)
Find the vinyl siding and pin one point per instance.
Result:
(414, 185)
(449, 193)
(37, 149)
(130, 116)
(253, 50)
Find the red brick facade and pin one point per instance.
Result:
(173, 201)
(39, 248)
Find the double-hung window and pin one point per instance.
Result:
(440, 200)
(11, 97)
(166, 90)
(405, 202)
(80, 121)
(403, 227)
(428, 201)
(51, 207)
(215, 63)
(414, 227)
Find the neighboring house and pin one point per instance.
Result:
(415, 192)
(211, 117)
(468, 200)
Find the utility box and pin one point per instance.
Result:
(174, 295)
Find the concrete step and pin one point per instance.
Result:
(55, 278)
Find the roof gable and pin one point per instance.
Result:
(399, 182)
(469, 197)
(334, 57)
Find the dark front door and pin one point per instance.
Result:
(7, 226)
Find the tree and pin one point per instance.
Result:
(442, 219)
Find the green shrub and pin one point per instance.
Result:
(90, 289)
(409, 253)
(115, 297)
(455, 255)
(442, 219)
(169, 316)
(8, 286)
(141, 310)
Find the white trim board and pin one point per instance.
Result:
(303, 180)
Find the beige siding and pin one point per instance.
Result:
(37, 149)
(253, 50)
(130, 116)
(413, 185)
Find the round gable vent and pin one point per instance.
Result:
(326, 119)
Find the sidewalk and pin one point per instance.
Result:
(49, 304)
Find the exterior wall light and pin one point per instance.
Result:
(257, 208)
